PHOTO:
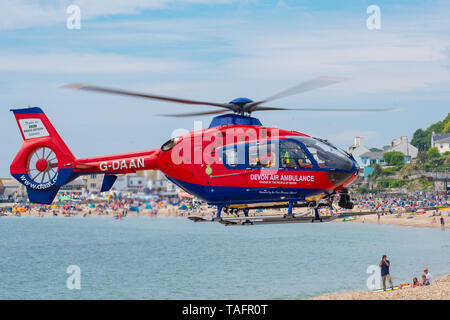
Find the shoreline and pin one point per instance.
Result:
(438, 290)
(406, 220)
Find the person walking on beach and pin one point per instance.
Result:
(384, 265)
(442, 223)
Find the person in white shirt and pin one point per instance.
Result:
(428, 275)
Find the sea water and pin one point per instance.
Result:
(174, 258)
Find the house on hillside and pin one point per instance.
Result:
(441, 141)
(402, 145)
(370, 158)
(357, 149)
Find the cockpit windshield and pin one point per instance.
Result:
(327, 155)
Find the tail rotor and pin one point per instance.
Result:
(42, 165)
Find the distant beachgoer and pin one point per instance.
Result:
(442, 223)
(428, 275)
(378, 214)
(416, 283)
(384, 265)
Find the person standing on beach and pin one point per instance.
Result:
(384, 265)
(442, 223)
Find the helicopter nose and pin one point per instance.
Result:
(339, 178)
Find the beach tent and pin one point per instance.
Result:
(64, 198)
(184, 207)
(148, 206)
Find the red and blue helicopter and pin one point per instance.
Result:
(235, 164)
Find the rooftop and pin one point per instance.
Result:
(373, 155)
(441, 137)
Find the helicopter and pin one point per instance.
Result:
(236, 164)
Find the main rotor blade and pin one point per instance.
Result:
(300, 88)
(192, 114)
(144, 95)
(261, 108)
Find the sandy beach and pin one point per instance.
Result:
(438, 290)
(406, 220)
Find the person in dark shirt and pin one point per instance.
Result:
(384, 265)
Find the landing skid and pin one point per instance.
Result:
(253, 220)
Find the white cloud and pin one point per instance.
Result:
(18, 14)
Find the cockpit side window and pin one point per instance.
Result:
(326, 155)
(293, 156)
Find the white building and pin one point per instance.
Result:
(441, 141)
(402, 145)
(357, 149)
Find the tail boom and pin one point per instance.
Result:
(44, 163)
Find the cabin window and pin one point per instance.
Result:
(262, 155)
(293, 156)
(234, 155)
(231, 157)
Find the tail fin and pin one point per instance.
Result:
(44, 162)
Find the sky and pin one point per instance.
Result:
(217, 51)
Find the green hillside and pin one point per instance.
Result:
(422, 138)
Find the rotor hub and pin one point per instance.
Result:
(41, 164)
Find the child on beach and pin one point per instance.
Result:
(416, 283)
(425, 282)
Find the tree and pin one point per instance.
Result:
(394, 158)
(422, 157)
(446, 128)
(375, 150)
(420, 140)
(408, 169)
(433, 153)
(433, 156)
(377, 171)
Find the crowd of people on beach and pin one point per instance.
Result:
(394, 204)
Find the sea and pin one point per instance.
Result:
(97, 257)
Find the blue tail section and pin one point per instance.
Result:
(44, 197)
